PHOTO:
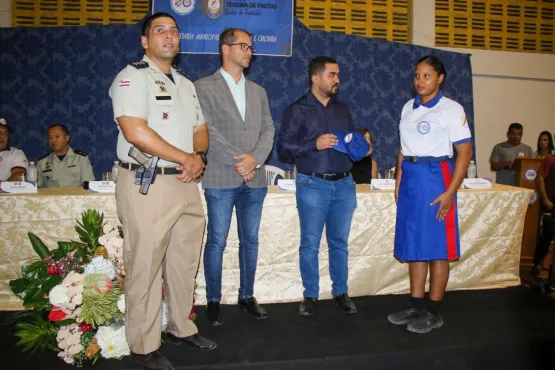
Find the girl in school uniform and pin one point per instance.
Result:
(426, 232)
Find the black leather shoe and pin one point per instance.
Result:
(345, 303)
(193, 341)
(214, 314)
(152, 361)
(308, 307)
(252, 306)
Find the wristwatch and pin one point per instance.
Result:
(203, 157)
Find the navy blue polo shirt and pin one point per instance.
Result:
(303, 122)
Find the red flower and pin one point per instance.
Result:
(192, 315)
(53, 270)
(56, 314)
(84, 327)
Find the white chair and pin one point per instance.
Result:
(272, 172)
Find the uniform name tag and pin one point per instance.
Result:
(164, 97)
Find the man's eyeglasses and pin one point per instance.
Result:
(244, 46)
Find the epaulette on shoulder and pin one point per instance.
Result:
(79, 152)
(182, 73)
(141, 64)
(44, 156)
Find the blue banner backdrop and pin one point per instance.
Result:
(62, 75)
(201, 22)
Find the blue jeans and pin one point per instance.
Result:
(331, 203)
(248, 208)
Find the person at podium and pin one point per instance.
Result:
(503, 155)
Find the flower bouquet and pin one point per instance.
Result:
(76, 295)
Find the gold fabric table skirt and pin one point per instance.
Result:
(491, 223)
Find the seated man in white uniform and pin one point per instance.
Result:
(13, 162)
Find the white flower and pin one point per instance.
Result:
(58, 295)
(112, 341)
(100, 265)
(164, 316)
(121, 303)
(69, 341)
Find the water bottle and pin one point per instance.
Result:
(32, 173)
(472, 171)
(115, 171)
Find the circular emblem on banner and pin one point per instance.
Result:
(530, 174)
(214, 8)
(183, 7)
(423, 127)
(533, 198)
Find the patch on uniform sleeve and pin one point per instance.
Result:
(80, 152)
(141, 64)
(464, 121)
(124, 83)
(182, 73)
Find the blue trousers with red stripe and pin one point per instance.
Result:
(419, 236)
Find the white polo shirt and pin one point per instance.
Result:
(171, 109)
(10, 158)
(431, 129)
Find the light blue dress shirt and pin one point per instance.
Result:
(238, 91)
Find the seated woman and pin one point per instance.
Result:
(367, 168)
(545, 145)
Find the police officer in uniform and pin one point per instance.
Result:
(13, 162)
(64, 166)
(157, 111)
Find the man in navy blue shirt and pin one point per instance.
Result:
(326, 193)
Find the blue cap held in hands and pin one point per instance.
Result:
(351, 143)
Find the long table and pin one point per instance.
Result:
(491, 225)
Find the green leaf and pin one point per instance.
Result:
(32, 294)
(40, 248)
(81, 253)
(19, 285)
(36, 270)
(37, 335)
(16, 317)
(50, 282)
(63, 249)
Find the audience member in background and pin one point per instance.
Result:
(366, 169)
(64, 166)
(545, 145)
(241, 133)
(13, 162)
(545, 183)
(426, 231)
(503, 155)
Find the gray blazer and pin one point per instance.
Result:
(230, 135)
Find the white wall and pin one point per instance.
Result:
(5, 13)
(508, 87)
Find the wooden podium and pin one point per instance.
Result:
(526, 172)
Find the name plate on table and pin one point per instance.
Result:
(476, 184)
(382, 184)
(18, 187)
(286, 185)
(102, 187)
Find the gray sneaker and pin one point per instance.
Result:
(425, 323)
(404, 317)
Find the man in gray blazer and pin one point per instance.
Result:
(241, 132)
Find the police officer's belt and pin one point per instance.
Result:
(425, 159)
(159, 170)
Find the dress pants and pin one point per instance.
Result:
(162, 237)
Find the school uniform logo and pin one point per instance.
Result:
(423, 127)
(214, 8)
(183, 7)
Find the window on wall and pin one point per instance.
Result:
(510, 25)
(381, 19)
(41, 13)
